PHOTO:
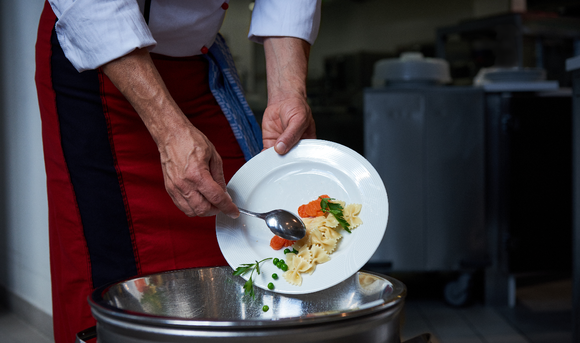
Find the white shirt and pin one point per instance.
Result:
(94, 32)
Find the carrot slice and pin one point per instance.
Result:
(312, 209)
(140, 284)
(278, 243)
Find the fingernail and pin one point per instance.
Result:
(234, 215)
(281, 148)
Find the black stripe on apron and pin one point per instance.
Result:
(90, 162)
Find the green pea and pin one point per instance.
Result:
(286, 251)
(265, 308)
(270, 286)
(275, 261)
(294, 251)
(284, 267)
(275, 276)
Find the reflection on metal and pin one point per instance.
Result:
(209, 304)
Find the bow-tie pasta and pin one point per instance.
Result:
(323, 226)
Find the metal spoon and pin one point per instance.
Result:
(282, 223)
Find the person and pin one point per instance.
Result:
(143, 125)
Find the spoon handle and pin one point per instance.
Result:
(250, 213)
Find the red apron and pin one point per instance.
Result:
(110, 217)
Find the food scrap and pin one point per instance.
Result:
(323, 218)
(313, 208)
(278, 243)
(249, 267)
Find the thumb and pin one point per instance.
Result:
(289, 138)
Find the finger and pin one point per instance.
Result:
(181, 203)
(191, 202)
(289, 137)
(310, 132)
(217, 196)
(217, 171)
(201, 205)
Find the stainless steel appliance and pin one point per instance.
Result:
(209, 305)
(469, 171)
(427, 143)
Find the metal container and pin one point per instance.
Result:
(209, 305)
(427, 144)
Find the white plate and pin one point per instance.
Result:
(312, 168)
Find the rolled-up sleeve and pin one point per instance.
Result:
(285, 18)
(94, 32)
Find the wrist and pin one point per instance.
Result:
(287, 67)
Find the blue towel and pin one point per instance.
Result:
(226, 88)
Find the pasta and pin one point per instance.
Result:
(351, 213)
(321, 240)
(296, 266)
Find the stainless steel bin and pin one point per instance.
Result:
(427, 143)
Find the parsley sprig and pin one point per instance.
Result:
(336, 210)
(246, 268)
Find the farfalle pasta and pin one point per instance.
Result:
(324, 219)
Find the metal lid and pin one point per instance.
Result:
(213, 297)
(410, 68)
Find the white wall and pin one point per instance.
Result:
(24, 258)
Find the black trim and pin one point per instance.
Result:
(147, 10)
(90, 162)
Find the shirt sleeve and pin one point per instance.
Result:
(285, 18)
(94, 32)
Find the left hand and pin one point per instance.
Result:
(285, 122)
(288, 117)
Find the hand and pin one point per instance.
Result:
(192, 168)
(286, 122)
(288, 117)
(193, 174)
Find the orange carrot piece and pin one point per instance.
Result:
(312, 209)
(278, 243)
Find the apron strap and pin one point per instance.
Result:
(147, 10)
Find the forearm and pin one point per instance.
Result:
(192, 168)
(288, 117)
(138, 80)
(286, 66)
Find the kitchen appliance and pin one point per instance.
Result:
(475, 175)
(209, 305)
(410, 69)
(427, 143)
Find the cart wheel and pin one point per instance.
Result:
(458, 293)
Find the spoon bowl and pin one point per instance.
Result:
(282, 223)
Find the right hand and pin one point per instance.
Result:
(192, 168)
(193, 174)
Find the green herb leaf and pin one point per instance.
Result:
(240, 270)
(336, 210)
(249, 287)
(247, 267)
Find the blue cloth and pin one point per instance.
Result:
(226, 88)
